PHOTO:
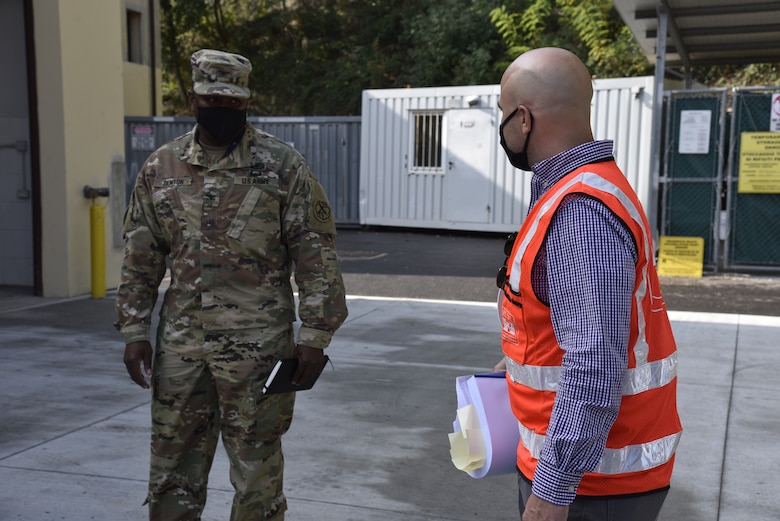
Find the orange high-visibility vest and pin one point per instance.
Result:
(640, 447)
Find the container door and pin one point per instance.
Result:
(470, 138)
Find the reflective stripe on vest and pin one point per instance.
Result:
(651, 375)
(641, 349)
(632, 458)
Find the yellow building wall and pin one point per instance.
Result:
(80, 96)
(137, 84)
(142, 97)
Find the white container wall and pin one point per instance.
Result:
(431, 158)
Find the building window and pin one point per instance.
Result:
(427, 141)
(134, 19)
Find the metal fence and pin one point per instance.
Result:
(331, 146)
(693, 159)
(754, 212)
(700, 192)
(699, 187)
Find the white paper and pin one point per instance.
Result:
(484, 414)
(694, 132)
(774, 120)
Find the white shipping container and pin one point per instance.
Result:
(431, 157)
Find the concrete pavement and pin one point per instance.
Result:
(369, 442)
(438, 264)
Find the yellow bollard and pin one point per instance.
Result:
(98, 249)
(97, 240)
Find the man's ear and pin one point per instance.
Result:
(526, 122)
(191, 100)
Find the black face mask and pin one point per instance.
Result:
(517, 159)
(222, 124)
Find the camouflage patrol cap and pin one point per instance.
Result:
(220, 73)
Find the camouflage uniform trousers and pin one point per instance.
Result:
(204, 384)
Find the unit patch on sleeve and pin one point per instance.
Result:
(320, 217)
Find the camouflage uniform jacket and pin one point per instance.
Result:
(232, 233)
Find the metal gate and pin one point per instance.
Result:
(754, 211)
(331, 146)
(693, 159)
(699, 184)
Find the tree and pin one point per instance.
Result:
(730, 76)
(317, 56)
(595, 32)
(592, 30)
(450, 43)
(240, 26)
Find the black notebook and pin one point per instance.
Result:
(279, 381)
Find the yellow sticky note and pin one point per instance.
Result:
(467, 448)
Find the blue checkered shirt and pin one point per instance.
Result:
(585, 271)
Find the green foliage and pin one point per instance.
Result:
(315, 57)
(450, 44)
(592, 30)
(254, 28)
(730, 76)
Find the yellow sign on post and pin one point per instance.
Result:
(681, 257)
(759, 163)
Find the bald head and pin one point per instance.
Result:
(548, 79)
(557, 88)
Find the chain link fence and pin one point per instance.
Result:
(693, 159)
(700, 190)
(753, 211)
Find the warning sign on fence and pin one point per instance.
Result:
(142, 137)
(774, 114)
(759, 163)
(681, 257)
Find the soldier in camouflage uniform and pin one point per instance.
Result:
(235, 212)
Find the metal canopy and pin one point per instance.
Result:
(705, 32)
(692, 33)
